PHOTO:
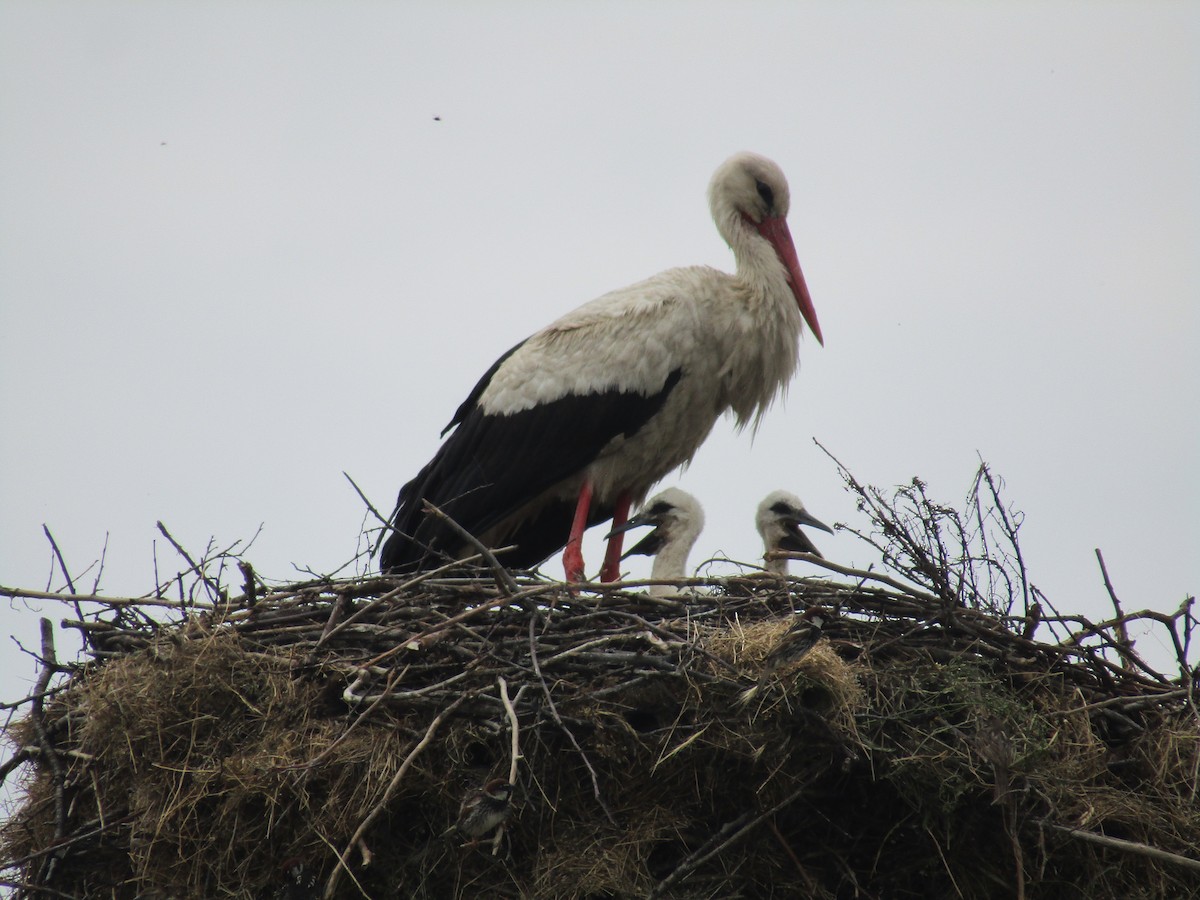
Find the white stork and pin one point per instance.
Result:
(779, 518)
(578, 421)
(678, 519)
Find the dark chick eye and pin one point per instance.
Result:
(764, 191)
(661, 508)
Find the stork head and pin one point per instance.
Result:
(749, 197)
(779, 518)
(677, 517)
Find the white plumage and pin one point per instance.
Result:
(578, 421)
(678, 519)
(778, 519)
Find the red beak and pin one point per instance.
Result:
(775, 230)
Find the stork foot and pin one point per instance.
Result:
(573, 562)
(573, 554)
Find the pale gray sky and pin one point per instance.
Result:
(240, 253)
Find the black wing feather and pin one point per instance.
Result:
(480, 386)
(492, 465)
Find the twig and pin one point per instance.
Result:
(371, 506)
(37, 718)
(787, 848)
(23, 593)
(1128, 846)
(441, 628)
(100, 566)
(1010, 531)
(58, 555)
(504, 579)
(537, 670)
(515, 751)
(392, 678)
(36, 889)
(736, 830)
(853, 573)
(512, 721)
(17, 759)
(62, 564)
(331, 884)
(1124, 645)
(385, 597)
(208, 582)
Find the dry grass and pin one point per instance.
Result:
(927, 745)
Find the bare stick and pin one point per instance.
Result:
(366, 714)
(376, 513)
(1010, 531)
(62, 564)
(37, 717)
(515, 750)
(384, 598)
(737, 829)
(208, 582)
(504, 579)
(537, 670)
(1128, 846)
(35, 889)
(512, 721)
(1124, 645)
(100, 567)
(22, 593)
(444, 627)
(853, 573)
(331, 885)
(58, 555)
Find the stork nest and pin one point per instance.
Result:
(317, 740)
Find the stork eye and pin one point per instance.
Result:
(764, 191)
(661, 508)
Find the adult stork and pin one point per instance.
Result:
(779, 518)
(678, 519)
(575, 423)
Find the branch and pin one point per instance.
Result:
(853, 573)
(512, 721)
(208, 582)
(537, 670)
(1124, 645)
(737, 829)
(504, 579)
(1128, 846)
(58, 555)
(37, 718)
(515, 750)
(331, 885)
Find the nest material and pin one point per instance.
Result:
(317, 740)
(915, 751)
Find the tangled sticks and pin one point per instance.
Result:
(318, 739)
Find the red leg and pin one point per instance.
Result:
(612, 556)
(573, 554)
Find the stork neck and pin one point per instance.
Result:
(759, 267)
(776, 566)
(671, 563)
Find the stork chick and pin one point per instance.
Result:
(678, 519)
(779, 518)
